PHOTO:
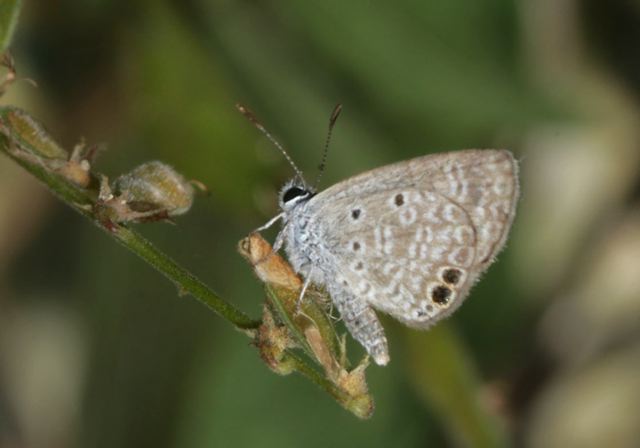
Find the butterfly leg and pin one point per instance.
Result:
(269, 223)
(277, 244)
(363, 324)
(305, 285)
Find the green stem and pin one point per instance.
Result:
(82, 201)
(361, 406)
(183, 279)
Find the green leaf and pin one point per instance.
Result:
(444, 377)
(9, 11)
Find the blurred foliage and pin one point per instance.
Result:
(9, 13)
(96, 351)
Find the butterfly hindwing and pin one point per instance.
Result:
(414, 261)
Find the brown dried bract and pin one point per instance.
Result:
(272, 341)
(309, 320)
(6, 61)
(269, 266)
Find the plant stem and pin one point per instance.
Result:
(361, 406)
(82, 201)
(184, 280)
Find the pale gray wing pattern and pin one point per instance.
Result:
(413, 222)
(482, 182)
(415, 260)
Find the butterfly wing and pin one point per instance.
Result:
(416, 235)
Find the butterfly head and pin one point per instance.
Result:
(294, 193)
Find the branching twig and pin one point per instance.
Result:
(28, 145)
(82, 201)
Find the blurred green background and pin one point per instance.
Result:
(98, 350)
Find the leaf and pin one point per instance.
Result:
(9, 12)
(444, 377)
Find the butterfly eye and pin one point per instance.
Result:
(293, 193)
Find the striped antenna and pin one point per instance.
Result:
(332, 121)
(252, 118)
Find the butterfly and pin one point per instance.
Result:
(408, 239)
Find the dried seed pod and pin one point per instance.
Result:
(30, 134)
(7, 62)
(286, 327)
(155, 185)
(32, 143)
(270, 267)
(154, 191)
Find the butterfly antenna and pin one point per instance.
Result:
(332, 121)
(252, 118)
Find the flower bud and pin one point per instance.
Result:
(32, 143)
(153, 191)
(156, 185)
